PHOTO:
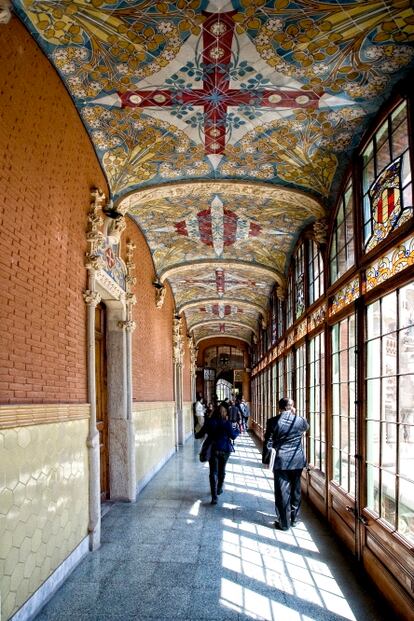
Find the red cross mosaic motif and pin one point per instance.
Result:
(216, 95)
(221, 281)
(232, 228)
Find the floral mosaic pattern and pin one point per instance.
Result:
(267, 93)
(204, 224)
(173, 90)
(223, 330)
(223, 313)
(207, 282)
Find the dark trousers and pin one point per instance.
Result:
(217, 464)
(287, 495)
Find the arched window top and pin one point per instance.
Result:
(386, 179)
(342, 253)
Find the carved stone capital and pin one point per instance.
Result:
(131, 298)
(93, 262)
(5, 11)
(128, 325)
(281, 293)
(115, 228)
(177, 340)
(320, 231)
(92, 298)
(160, 292)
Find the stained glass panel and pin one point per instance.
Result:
(386, 179)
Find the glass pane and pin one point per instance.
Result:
(383, 156)
(344, 471)
(389, 354)
(406, 350)
(389, 313)
(373, 442)
(344, 434)
(388, 497)
(374, 358)
(343, 337)
(368, 175)
(400, 139)
(373, 320)
(406, 397)
(373, 488)
(343, 361)
(399, 114)
(389, 447)
(406, 439)
(335, 399)
(352, 486)
(336, 465)
(373, 398)
(351, 331)
(406, 509)
(389, 399)
(406, 178)
(369, 150)
(335, 431)
(341, 236)
(406, 305)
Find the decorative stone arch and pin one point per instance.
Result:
(110, 280)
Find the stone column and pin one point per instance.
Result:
(178, 357)
(92, 299)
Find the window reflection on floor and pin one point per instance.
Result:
(260, 556)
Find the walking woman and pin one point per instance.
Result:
(220, 433)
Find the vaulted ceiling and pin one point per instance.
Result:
(224, 127)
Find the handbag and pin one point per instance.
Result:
(205, 451)
(267, 452)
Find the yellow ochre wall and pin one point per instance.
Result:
(188, 418)
(43, 495)
(155, 435)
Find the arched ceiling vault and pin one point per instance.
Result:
(224, 127)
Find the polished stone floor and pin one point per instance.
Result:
(172, 555)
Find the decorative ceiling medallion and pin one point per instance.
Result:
(218, 28)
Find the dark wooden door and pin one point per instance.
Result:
(101, 397)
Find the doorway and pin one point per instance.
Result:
(102, 397)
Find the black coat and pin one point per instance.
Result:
(286, 432)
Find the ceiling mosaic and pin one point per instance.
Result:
(274, 91)
(207, 283)
(219, 312)
(223, 330)
(224, 127)
(213, 221)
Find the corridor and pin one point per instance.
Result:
(172, 555)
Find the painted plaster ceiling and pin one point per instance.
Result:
(224, 127)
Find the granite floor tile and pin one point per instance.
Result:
(173, 556)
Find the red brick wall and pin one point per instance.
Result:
(152, 366)
(47, 167)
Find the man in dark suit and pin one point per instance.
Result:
(286, 430)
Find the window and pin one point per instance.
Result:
(317, 440)
(315, 271)
(274, 390)
(289, 301)
(281, 387)
(288, 375)
(343, 403)
(299, 285)
(224, 389)
(341, 255)
(390, 408)
(386, 179)
(300, 368)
